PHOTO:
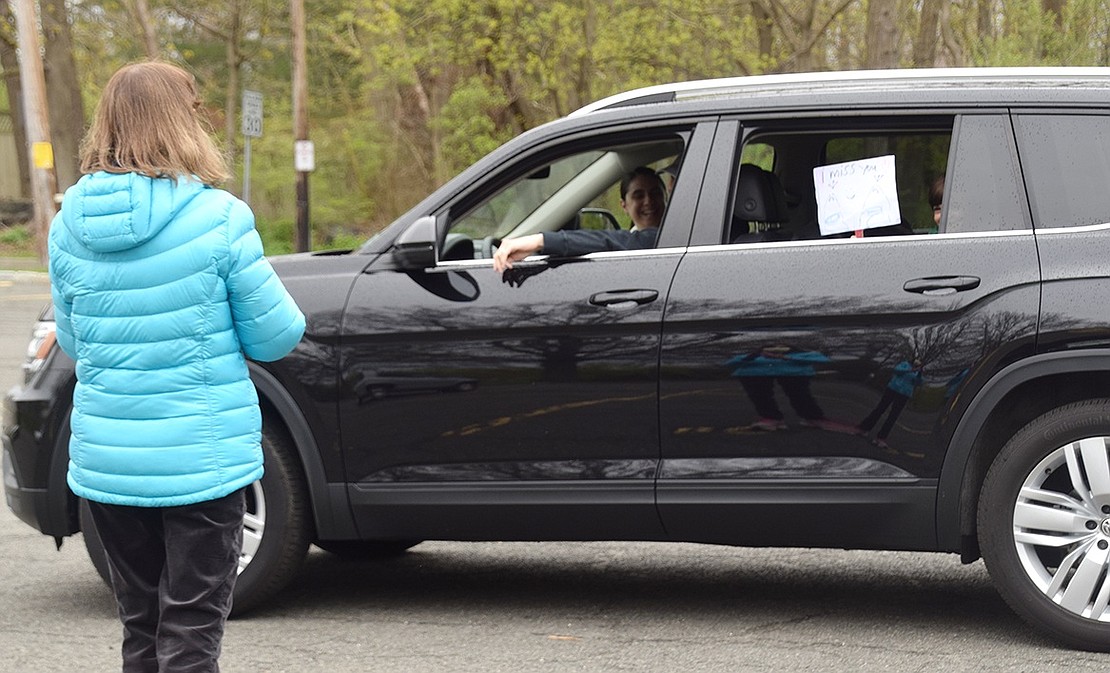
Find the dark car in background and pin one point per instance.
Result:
(806, 358)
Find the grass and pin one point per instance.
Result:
(17, 241)
(17, 249)
(279, 238)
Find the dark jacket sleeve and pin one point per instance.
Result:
(581, 242)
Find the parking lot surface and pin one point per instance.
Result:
(519, 607)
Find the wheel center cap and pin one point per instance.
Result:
(1104, 527)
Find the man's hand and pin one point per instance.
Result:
(515, 249)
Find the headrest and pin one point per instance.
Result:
(759, 196)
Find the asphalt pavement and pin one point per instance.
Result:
(549, 607)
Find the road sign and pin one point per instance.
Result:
(252, 114)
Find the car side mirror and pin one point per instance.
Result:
(416, 248)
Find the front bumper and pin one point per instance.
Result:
(27, 503)
(35, 451)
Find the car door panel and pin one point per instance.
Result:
(497, 406)
(523, 397)
(866, 346)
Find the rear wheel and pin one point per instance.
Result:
(1044, 523)
(277, 527)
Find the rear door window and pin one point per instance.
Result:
(887, 176)
(842, 178)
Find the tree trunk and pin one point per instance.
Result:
(925, 46)
(882, 34)
(585, 69)
(804, 56)
(297, 29)
(234, 61)
(43, 183)
(764, 26)
(9, 62)
(953, 54)
(63, 91)
(1056, 9)
(986, 19)
(141, 12)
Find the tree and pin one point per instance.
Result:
(925, 50)
(63, 91)
(406, 93)
(882, 34)
(801, 25)
(225, 23)
(9, 63)
(144, 22)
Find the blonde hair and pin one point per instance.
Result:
(148, 122)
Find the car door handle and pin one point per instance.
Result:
(624, 298)
(941, 285)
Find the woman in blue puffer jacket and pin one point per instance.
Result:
(160, 292)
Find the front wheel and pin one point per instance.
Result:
(1044, 523)
(277, 527)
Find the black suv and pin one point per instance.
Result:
(812, 355)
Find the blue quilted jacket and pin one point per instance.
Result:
(160, 289)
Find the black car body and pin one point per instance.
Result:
(620, 395)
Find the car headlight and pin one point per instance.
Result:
(42, 342)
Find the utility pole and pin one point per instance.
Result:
(41, 154)
(303, 148)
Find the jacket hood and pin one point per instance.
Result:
(110, 212)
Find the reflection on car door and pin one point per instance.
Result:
(536, 399)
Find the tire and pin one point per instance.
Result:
(366, 549)
(277, 528)
(1044, 524)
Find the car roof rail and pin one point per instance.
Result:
(915, 77)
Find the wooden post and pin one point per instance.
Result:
(41, 153)
(300, 118)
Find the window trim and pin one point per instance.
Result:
(697, 134)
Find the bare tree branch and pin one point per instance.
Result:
(196, 20)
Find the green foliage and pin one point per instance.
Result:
(406, 93)
(277, 235)
(17, 238)
(341, 240)
(467, 131)
(17, 244)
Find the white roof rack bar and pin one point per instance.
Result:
(735, 85)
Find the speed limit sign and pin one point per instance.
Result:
(252, 114)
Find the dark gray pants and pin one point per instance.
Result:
(173, 570)
(896, 402)
(761, 391)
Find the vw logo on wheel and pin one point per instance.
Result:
(1104, 527)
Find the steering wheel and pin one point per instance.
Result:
(488, 246)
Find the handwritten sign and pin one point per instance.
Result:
(856, 195)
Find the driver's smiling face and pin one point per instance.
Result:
(645, 202)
